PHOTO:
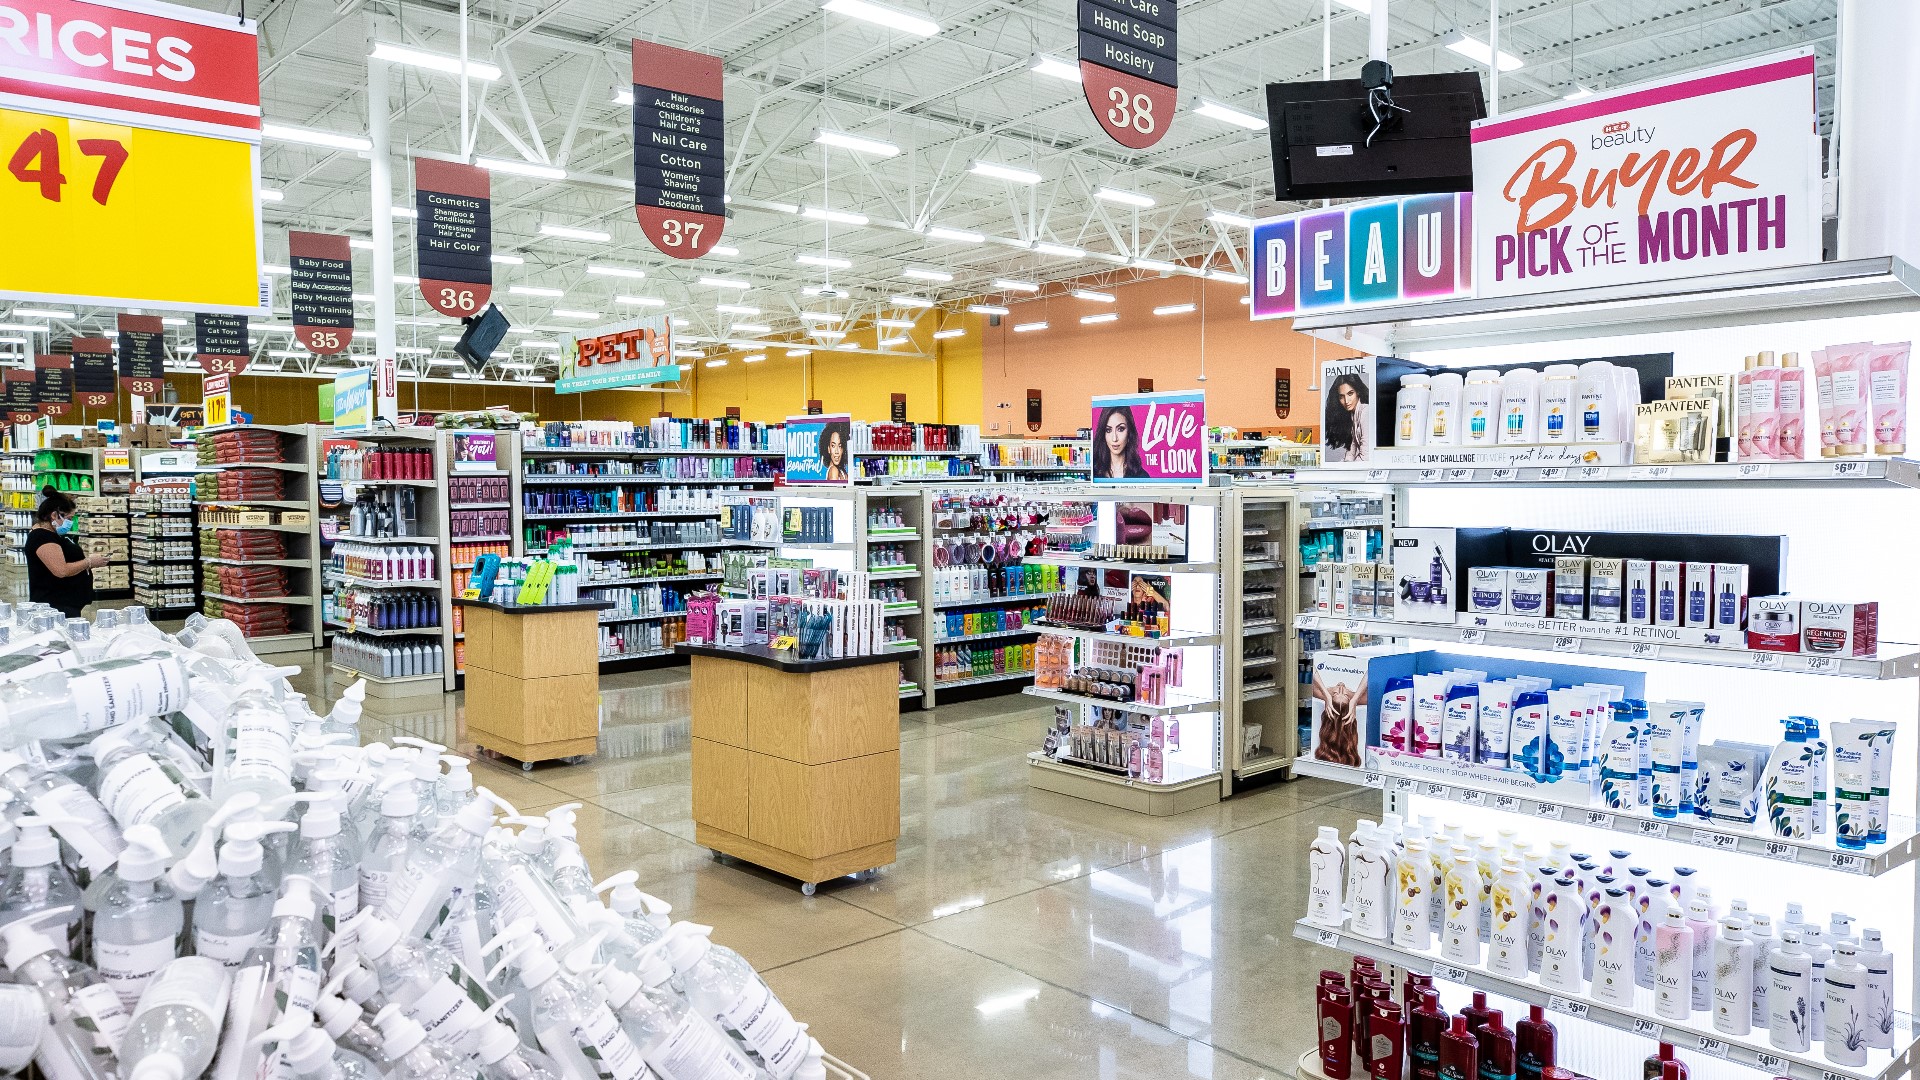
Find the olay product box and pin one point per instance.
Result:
(1764, 556)
(1839, 629)
(1570, 587)
(1487, 590)
(1606, 589)
(1773, 624)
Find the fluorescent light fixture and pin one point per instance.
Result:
(410, 350)
(819, 213)
(820, 316)
(727, 250)
(1106, 316)
(448, 339)
(368, 334)
(688, 354)
(725, 283)
(1004, 172)
(333, 140)
(288, 354)
(716, 363)
(923, 274)
(876, 147)
(268, 194)
(1477, 51)
(1578, 93)
(1016, 285)
(894, 324)
(405, 279)
(1364, 7)
(847, 346)
(830, 262)
(731, 309)
(1054, 68)
(269, 328)
(640, 301)
(362, 245)
(753, 358)
(829, 335)
(1028, 327)
(1124, 198)
(521, 168)
(276, 271)
(799, 352)
(570, 313)
(1173, 309)
(989, 309)
(623, 96)
(958, 236)
(1227, 276)
(400, 54)
(889, 342)
(1155, 265)
(515, 260)
(1047, 247)
(891, 18)
(405, 212)
(615, 271)
(518, 365)
(13, 341)
(909, 302)
(1231, 221)
(539, 345)
(1213, 110)
(751, 328)
(535, 290)
(568, 232)
(942, 335)
(41, 313)
(1089, 294)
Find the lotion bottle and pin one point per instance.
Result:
(1733, 979)
(1371, 902)
(1789, 995)
(1362, 835)
(1324, 863)
(1512, 903)
(1700, 922)
(1460, 935)
(1616, 920)
(1766, 407)
(1564, 945)
(1413, 918)
(1845, 993)
(1879, 964)
(1673, 967)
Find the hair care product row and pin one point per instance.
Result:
(1861, 389)
(385, 562)
(985, 584)
(1601, 926)
(1561, 404)
(960, 663)
(955, 624)
(386, 658)
(1368, 1030)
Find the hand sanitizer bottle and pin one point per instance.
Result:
(88, 1019)
(232, 914)
(38, 883)
(501, 1055)
(674, 1040)
(174, 1033)
(329, 857)
(413, 1055)
(136, 788)
(136, 931)
(570, 1017)
(726, 989)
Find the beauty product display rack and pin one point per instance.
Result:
(1037, 460)
(986, 602)
(1263, 657)
(892, 543)
(1259, 459)
(253, 495)
(392, 600)
(904, 452)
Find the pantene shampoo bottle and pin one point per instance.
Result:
(1325, 877)
(1732, 979)
(1789, 995)
(1410, 411)
(1845, 1036)
(1520, 407)
(1480, 408)
(1443, 409)
(1557, 404)
(1673, 967)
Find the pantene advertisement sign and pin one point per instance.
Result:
(1711, 173)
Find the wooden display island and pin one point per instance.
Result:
(796, 763)
(533, 678)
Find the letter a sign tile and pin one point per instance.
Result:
(1129, 67)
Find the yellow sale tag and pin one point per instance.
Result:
(127, 215)
(219, 409)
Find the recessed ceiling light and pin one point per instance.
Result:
(989, 309)
(1107, 316)
(909, 302)
(1046, 247)
(1028, 327)
(521, 168)
(844, 217)
(534, 290)
(568, 232)
(959, 236)
(410, 350)
(1004, 172)
(1124, 198)
(1089, 294)
(1476, 50)
(942, 335)
(864, 145)
(615, 271)
(731, 309)
(895, 324)
(891, 18)
(539, 345)
(507, 260)
(1054, 68)
(1231, 221)
(1213, 110)
(448, 339)
(830, 262)
(1173, 309)
(1016, 285)
(847, 346)
(725, 283)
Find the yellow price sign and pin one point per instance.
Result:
(219, 409)
(107, 212)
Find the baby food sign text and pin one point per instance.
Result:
(1714, 172)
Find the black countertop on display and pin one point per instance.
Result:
(787, 659)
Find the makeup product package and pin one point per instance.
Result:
(1528, 591)
(1729, 596)
(1675, 432)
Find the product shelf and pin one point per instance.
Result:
(412, 631)
(1165, 641)
(1174, 709)
(895, 573)
(278, 504)
(614, 547)
(603, 583)
(282, 466)
(638, 479)
(352, 582)
(1891, 472)
(274, 527)
(1575, 637)
(481, 506)
(619, 516)
(964, 638)
(637, 452)
(1517, 793)
(893, 534)
(425, 541)
(1698, 1034)
(296, 601)
(977, 680)
(1118, 564)
(903, 607)
(246, 562)
(992, 601)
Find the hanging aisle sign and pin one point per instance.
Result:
(53, 384)
(1709, 173)
(94, 379)
(129, 126)
(322, 288)
(143, 354)
(679, 149)
(453, 235)
(19, 385)
(220, 343)
(1130, 67)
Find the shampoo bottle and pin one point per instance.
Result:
(1520, 406)
(1498, 1049)
(1733, 979)
(1336, 1019)
(1410, 424)
(1594, 395)
(1443, 409)
(1325, 878)
(1845, 993)
(1791, 429)
(1673, 967)
(1789, 994)
(1536, 1043)
(1480, 408)
(1361, 836)
(1386, 1042)
(1766, 407)
(1459, 1052)
(1879, 964)
(1743, 409)
(1557, 404)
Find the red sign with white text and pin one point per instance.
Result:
(679, 153)
(1130, 67)
(454, 235)
(321, 288)
(167, 65)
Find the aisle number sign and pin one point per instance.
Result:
(1130, 67)
(131, 126)
(679, 148)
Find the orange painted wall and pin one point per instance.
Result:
(1070, 363)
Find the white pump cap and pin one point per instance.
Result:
(397, 797)
(376, 935)
(1329, 832)
(459, 778)
(1839, 925)
(402, 1033)
(1845, 952)
(159, 1065)
(476, 817)
(626, 899)
(1870, 940)
(532, 838)
(619, 985)
(496, 1040)
(814, 1067)
(685, 945)
(295, 901)
(200, 864)
(146, 854)
(348, 709)
(25, 940)
(309, 1053)
(536, 964)
(37, 845)
(352, 981)
(322, 818)
(242, 855)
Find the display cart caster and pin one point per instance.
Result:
(807, 888)
(526, 766)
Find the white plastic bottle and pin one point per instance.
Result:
(1371, 902)
(1594, 403)
(440, 872)
(1790, 995)
(176, 1029)
(138, 788)
(644, 917)
(570, 1017)
(38, 883)
(329, 857)
(1564, 945)
(257, 753)
(1879, 964)
(1557, 419)
(1520, 406)
(1410, 411)
(1819, 954)
(1443, 409)
(676, 1042)
(1412, 896)
(726, 989)
(136, 930)
(413, 1056)
(1460, 934)
(24, 1018)
(1512, 901)
(293, 941)
(1614, 922)
(1325, 874)
(68, 806)
(1844, 988)
(1760, 934)
(1673, 967)
(414, 974)
(1361, 836)
(1480, 408)
(233, 912)
(1701, 922)
(392, 842)
(1733, 979)
(88, 1018)
(502, 1056)
(91, 697)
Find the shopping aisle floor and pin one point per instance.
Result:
(1020, 933)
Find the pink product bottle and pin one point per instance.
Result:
(1766, 407)
(1791, 439)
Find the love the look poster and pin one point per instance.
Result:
(1150, 438)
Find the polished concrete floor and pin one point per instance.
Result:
(1020, 934)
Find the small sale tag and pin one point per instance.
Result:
(1506, 474)
(1507, 803)
(1554, 473)
(1473, 798)
(1783, 852)
(1754, 471)
(1599, 820)
(1473, 636)
(1571, 1008)
(1643, 1026)
(1849, 468)
(1653, 828)
(1566, 643)
(1376, 476)
(1329, 938)
(1458, 476)
(1764, 659)
(1716, 841)
(1712, 1046)
(1645, 650)
(1450, 973)
(1371, 779)
(1852, 864)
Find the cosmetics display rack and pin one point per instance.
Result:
(1263, 657)
(1037, 460)
(1157, 750)
(261, 545)
(392, 562)
(1844, 521)
(22, 498)
(892, 452)
(1329, 520)
(1269, 459)
(160, 534)
(986, 607)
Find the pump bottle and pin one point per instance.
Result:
(726, 989)
(412, 1054)
(1789, 995)
(137, 929)
(38, 882)
(88, 1018)
(1733, 979)
(176, 1030)
(232, 914)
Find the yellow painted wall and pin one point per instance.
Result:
(943, 390)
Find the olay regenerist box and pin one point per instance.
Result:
(1773, 624)
(1839, 629)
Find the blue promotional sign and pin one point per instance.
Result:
(1383, 251)
(820, 449)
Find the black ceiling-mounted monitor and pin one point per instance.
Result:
(481, 337)
(1319, 132)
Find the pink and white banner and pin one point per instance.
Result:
(1150, 438)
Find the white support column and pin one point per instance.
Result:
(384, 339)
(1879, 95)
(1493, 57)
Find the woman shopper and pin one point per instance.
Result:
(59, 574)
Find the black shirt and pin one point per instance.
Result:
(66, 594)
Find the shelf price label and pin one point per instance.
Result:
(1371, 778)
(1428, 476)
(1435, 791)
(1764, 660)
(1329, 938)
(1819, 663)
(1471, 797)
(1773, 1063)
(1548, 811)
(680, 146)
(1458, 476)
(1711, 1046)
(1593, 472)
(1849, 468)
(1645, 650)
(1377, 476)
(1716, 841)
(1506, 474)
(1600, 819)
(1403, 783)
(1507, 803)
(1753, 471)
(1643, 1026)
(1652, 472)
(1473, 635)
(1553, 473)
(1852, 864)
(1653, 828)
(1577, 1009)
(1450, 973)
(1783, 852)
(1566, 643)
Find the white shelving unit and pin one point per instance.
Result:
(290, 518)
(161, 534)
(1036, 460)
(430, 521)
(1263, 659)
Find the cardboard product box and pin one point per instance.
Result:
(1773, 624)
(1345, 721)
(1342, 591)
(1361, 592)
(1606, 589)
(1430, 567)
(1698, 610)
(1829, 628)
(295, 517)
(1638, 593)
(1529, 591)
(1487, 590)
(1570, 587)
(66, 442)
(93, 438)
(1669, 592)
(1764, 556)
